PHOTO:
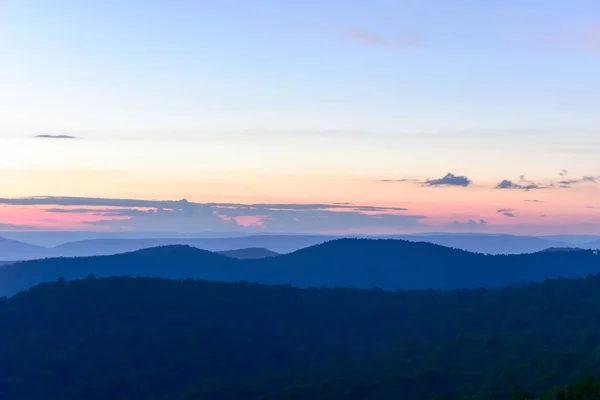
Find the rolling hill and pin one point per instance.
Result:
(275, 243)
(478, 243)
(13, 250)
(490, 244)
(250, 253)
(387, 264)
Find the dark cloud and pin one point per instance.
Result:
(507, 212)
(182, 215)
(567, 183)
(527, 185)
(449, 180)
(563, 172)
(469, 225)
(56, 137)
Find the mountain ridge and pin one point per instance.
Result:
(482, 243)
(364, 263)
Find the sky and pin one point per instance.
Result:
(322, 116)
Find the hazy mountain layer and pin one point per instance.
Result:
(388, 264)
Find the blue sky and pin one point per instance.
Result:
(300, 92)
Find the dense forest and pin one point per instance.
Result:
(141, 339)
(388, 264)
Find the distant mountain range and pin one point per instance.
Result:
(363, 263)
(490, 244)
(12, 250)
(243, 254)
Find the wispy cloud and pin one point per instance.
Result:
(567, 183)
(534, 201)
(508, 184)
(470, 224)
(55, 137)
(507, 212)
(399, 180)
(186, 216)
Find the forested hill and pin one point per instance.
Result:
(140, 339)
(387, 264)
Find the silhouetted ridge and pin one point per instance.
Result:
(249, 253)
(176, 250)
(557, 249)
(364, 263)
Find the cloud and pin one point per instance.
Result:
(534, 201)
(399, 180)
(507, 184)
(507, 212)
(524, 184)
(183, 215)
(567, 183)
(449, 180)
(56, 137)
(469, 225)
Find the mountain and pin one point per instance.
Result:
(275, 243)
(12, 250)
(139, 339)
(478, 243)
(594, 244)
(489, 244)
(555, 249)
(387, 264)
(572, 239)
(251, 253)
(56, 238)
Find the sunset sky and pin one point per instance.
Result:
(326, 116)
